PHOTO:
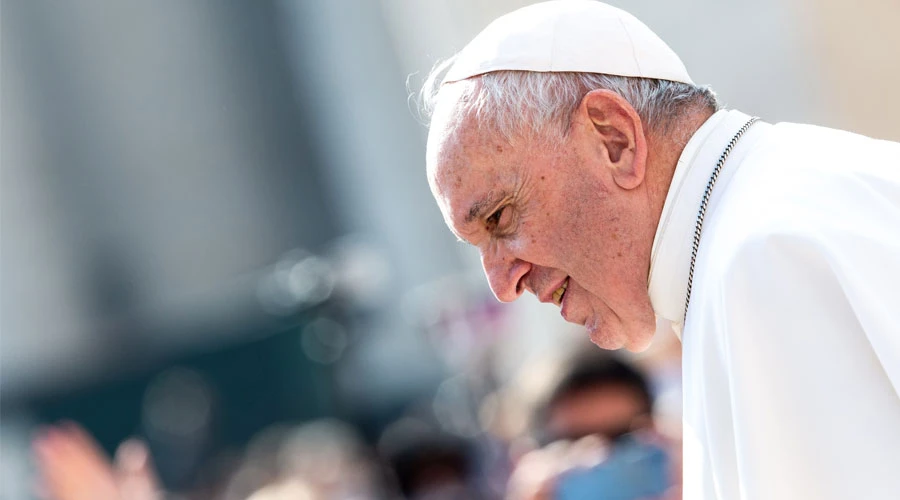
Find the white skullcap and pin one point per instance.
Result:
(569, 35)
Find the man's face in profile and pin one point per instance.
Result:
(547, 218)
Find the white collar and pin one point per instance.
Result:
(670, 257)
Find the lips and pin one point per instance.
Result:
(567, 306)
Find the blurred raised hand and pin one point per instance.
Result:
(72, 466)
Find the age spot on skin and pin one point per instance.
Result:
(499, 148)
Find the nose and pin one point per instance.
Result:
(505, 273)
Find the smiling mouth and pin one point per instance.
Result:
(560, 292)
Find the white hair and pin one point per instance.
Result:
(514, 103)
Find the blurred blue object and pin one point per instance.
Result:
(634, 470)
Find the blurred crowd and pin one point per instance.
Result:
(596, 425)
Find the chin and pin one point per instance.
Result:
(639, 343)
(636, 339)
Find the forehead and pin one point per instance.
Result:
(467, 165)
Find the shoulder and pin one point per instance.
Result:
(808, 186)
(805, 205)
(792, 149)
(854, 259)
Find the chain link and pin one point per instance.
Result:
(698, 229)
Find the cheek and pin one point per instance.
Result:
(564, 228)
(551, 238)
(542, 241)
(577, 237)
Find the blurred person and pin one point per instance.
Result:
(598, 421)
(601, 394)
(72, 466)
(320, 460)
(428, 464)
(332, 458)
(570, 146)
(291, 489)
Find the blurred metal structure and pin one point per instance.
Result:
(158, 156)
(151, 168)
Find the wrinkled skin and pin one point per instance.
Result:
(580, 209)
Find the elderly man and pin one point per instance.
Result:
(570, 146)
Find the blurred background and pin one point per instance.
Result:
(216, 235)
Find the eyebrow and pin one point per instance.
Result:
(479, 208)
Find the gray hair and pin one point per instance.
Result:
(521, 102)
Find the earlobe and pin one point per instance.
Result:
(621, 136)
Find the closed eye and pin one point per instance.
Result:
(494, 219)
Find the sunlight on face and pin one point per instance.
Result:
(548, 219)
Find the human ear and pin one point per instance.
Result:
(618, 133)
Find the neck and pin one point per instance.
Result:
(663, 153)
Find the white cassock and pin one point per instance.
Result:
(792, 339)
